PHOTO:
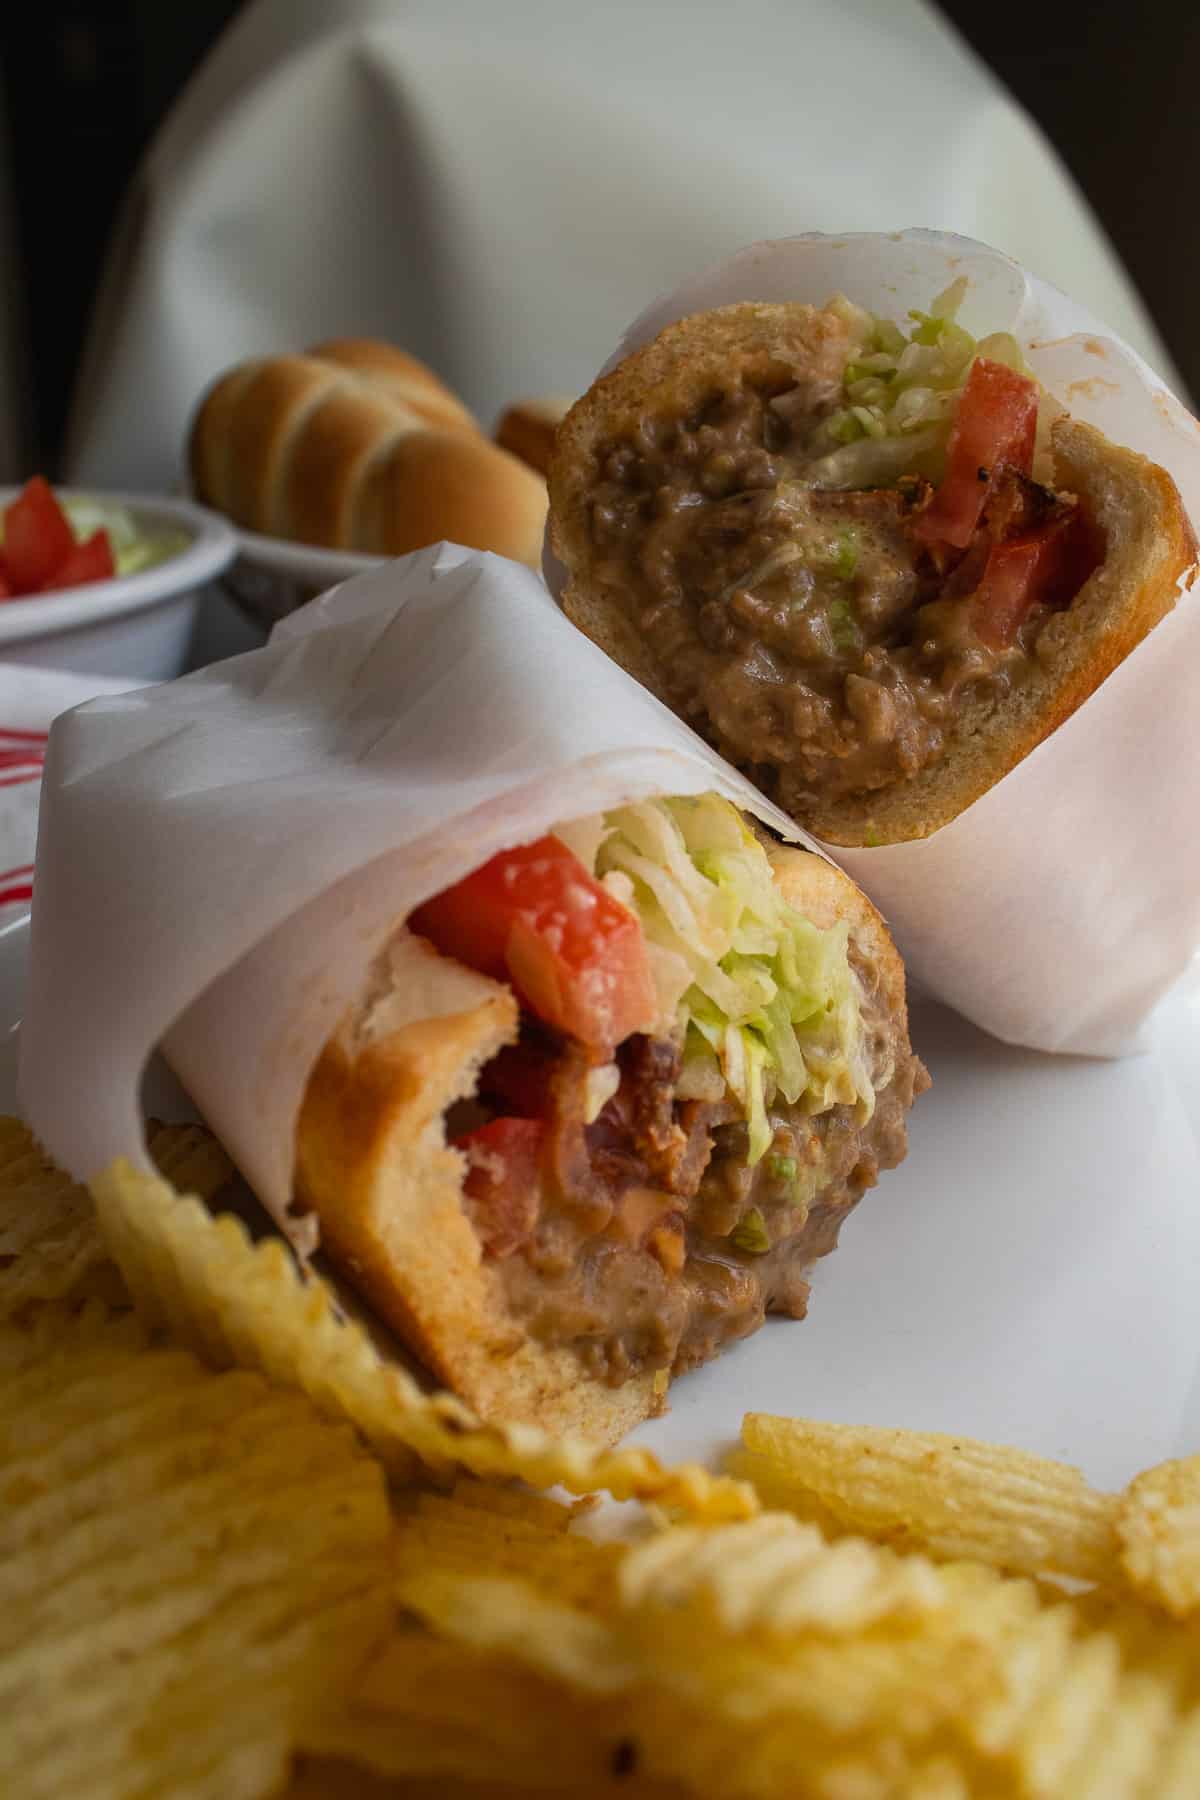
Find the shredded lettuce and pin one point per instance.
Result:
(764, 1003)
(900, 393)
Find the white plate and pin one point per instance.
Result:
(1029, 1274)
(103, 627)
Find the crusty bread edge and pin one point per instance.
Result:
(372, 1164)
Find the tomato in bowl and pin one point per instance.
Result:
(110, 584)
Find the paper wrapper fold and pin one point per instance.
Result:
(1060, 907)
(220, 858)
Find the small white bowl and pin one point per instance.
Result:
(273, 576)
(137, 625)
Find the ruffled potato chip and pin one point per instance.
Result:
(190, 1158)
(189, 1563)
(1178, 1774)
(951, 1496)
(777, 1575)
(1000, 1695)
(51, 1245)
(1158, 1524)
(199, 1579)
(744, 1622)
(744, 1653)
(510, 1532)
(454, 1712)
(241, 1303)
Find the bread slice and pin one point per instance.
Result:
(372, 1162)
(357, 446)
(1133, 504)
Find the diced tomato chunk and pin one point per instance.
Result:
(1007, 591)
(6, 590)
(502, 1184)
(1049, 565)
(37, 536)
(996, 423)
(90, 561)
(576, 957)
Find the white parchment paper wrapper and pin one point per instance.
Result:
(220, 858)
(1059, 908)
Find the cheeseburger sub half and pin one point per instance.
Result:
(874, 569)
(604, 1103)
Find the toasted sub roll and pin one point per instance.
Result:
(357, 446)
(872, 678)
(563, 1326)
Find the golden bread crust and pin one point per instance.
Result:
(248, 425)
(428, 485)
(404, 378)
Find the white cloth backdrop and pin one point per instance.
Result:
(500, 185)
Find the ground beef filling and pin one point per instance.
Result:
(805, 631)
(653, 1243)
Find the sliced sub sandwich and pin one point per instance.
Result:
(873, 570)
(604, 1103)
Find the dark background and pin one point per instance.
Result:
(84, 83)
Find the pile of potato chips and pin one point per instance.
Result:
(241, 1554)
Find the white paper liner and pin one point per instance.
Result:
(1060, 907)
(220, 858)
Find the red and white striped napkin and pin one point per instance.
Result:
(30, 699)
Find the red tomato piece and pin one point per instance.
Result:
(6, 591)
(37, 536)
(575, 955)
(90, 561)
(996, 423)
(502, 1182)
(1007, 591)
(1050, 565)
